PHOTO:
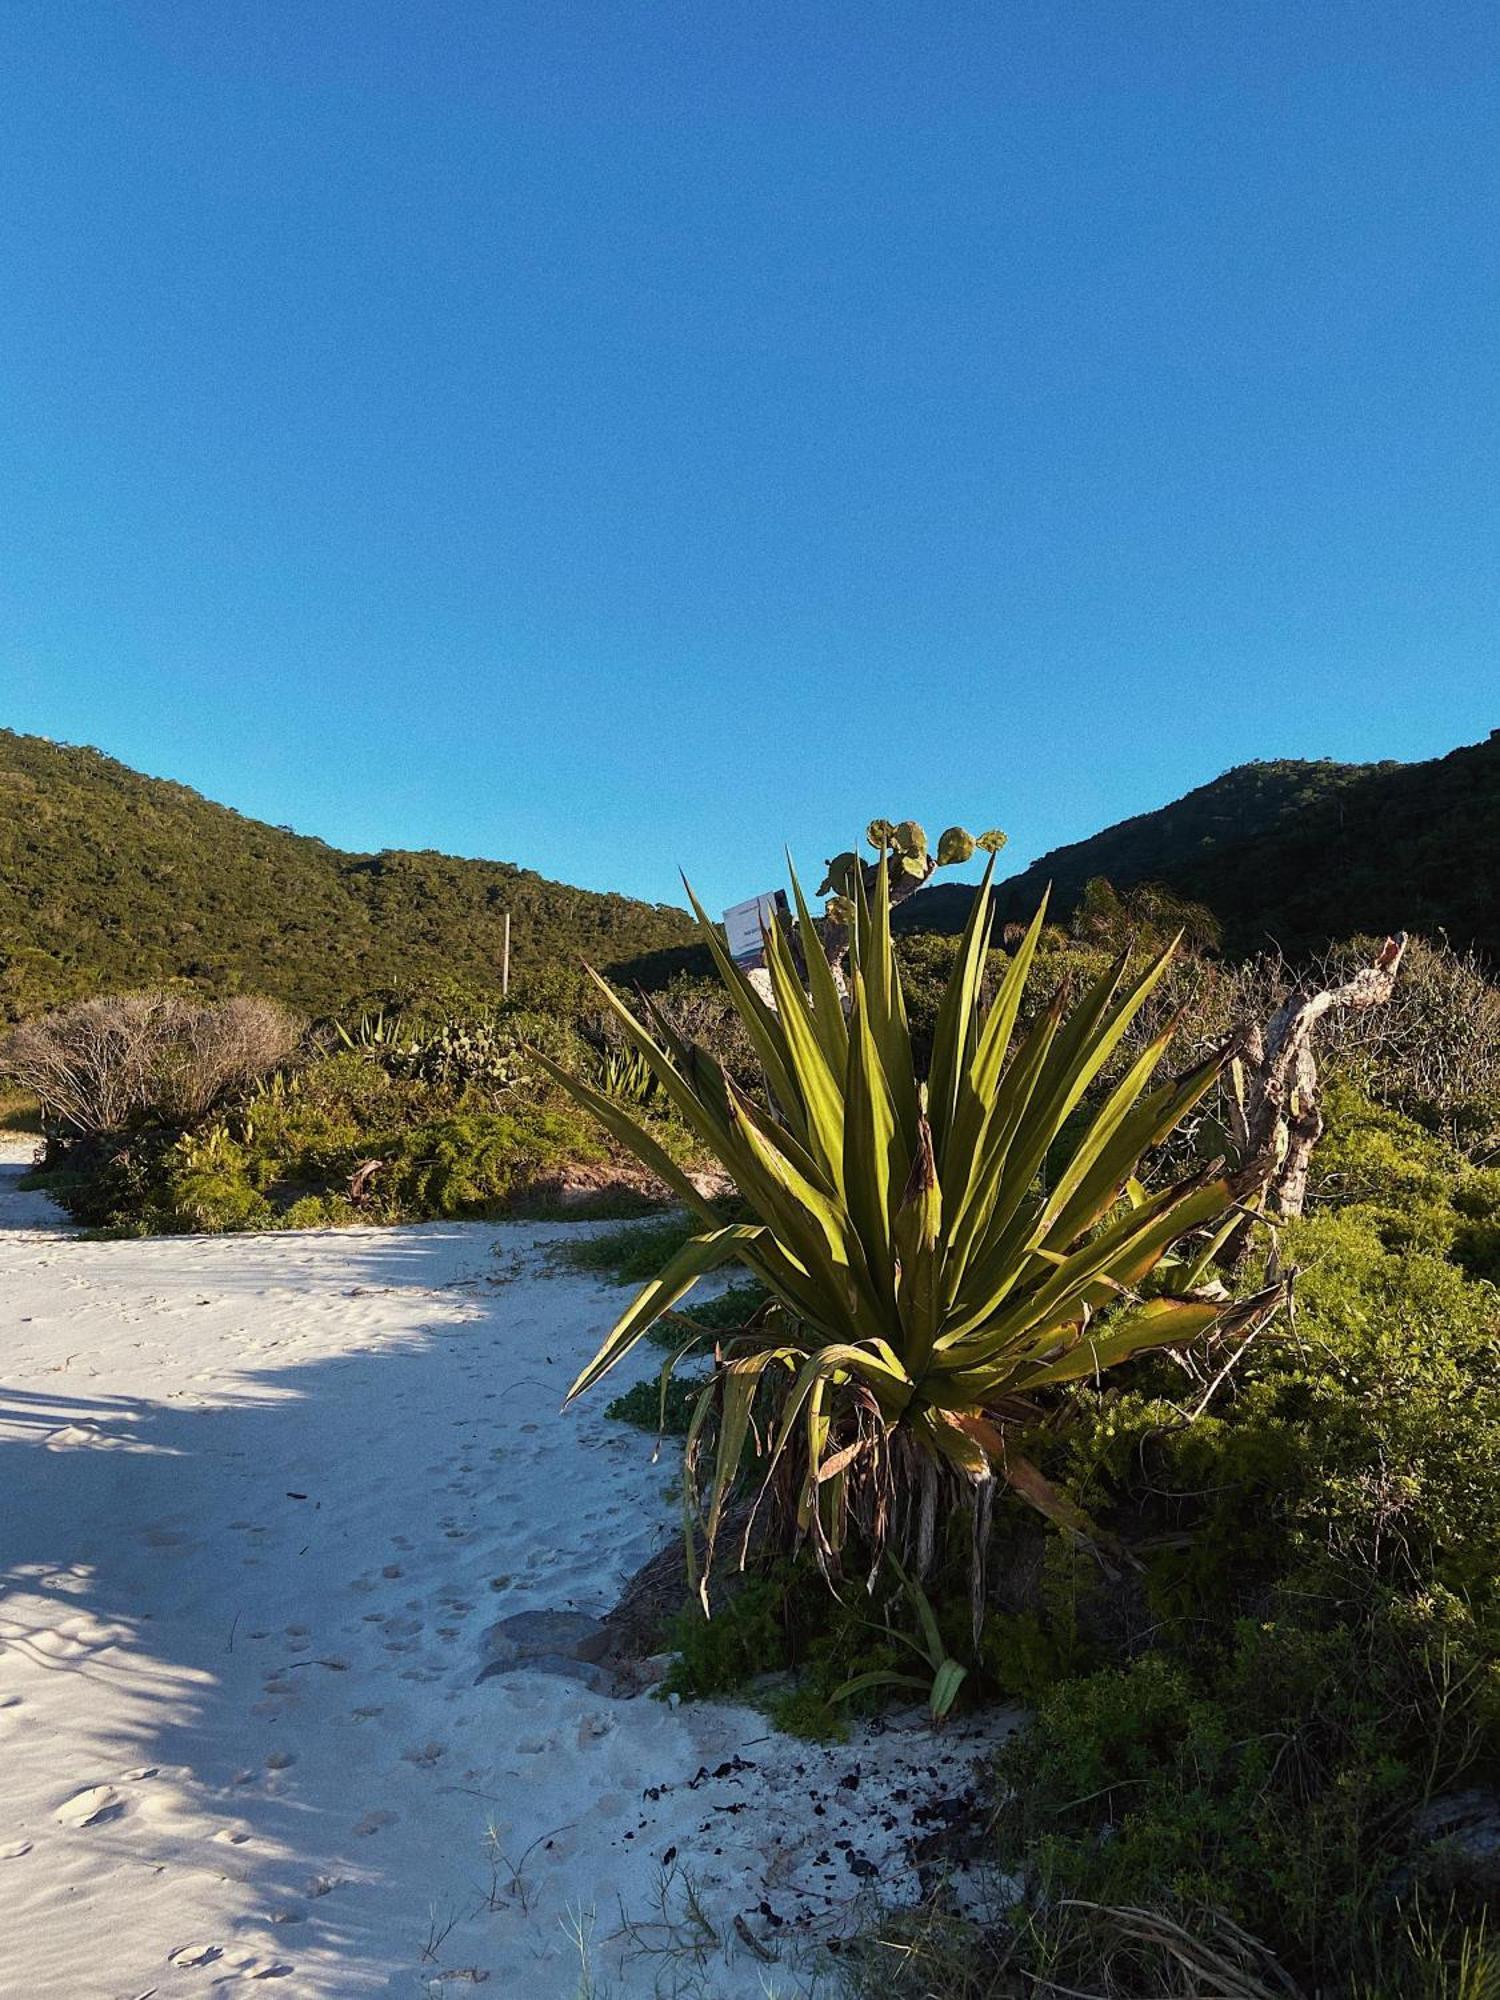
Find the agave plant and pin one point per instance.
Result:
(623, 1073)
(938, 1250)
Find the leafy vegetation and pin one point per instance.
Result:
(1266, 1722)
(1302, 853)
(1265, 1757)
(633, 1253)
(927, 1284)
(1265, 1725)
(110, 880)
(384, 1122)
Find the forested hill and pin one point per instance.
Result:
(109, 880)
(1298, 852)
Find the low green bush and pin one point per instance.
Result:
(780, 1637)
(633, 1253)
(643, 1405)
(341, 1140)
(1310, 1652)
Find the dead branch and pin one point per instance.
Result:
(1275, 1115)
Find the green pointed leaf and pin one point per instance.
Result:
(828, 1004)
(697, 1257)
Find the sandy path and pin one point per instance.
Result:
(259, 1498)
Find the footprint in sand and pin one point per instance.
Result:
(281, 1760)
(425, 1754)
(372, 1822)
(92, 1807)
(195, 1954)
(14, 1849)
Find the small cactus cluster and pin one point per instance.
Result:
(456, 1052)
(905, 842)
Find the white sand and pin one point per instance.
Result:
(259, 1498)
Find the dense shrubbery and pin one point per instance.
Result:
(1254, 1735)
(400, 1117)
(1313, 1651)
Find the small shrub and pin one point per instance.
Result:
(133, 1059)
(476, 1164)
(633, 1253)
(642, 1405)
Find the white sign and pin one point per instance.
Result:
(744, 923)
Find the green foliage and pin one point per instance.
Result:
(725, 1312)
(111, 880)
(475, 1164)
(455, 1052)
(1297, 851)
(646, 1407)
(925, 1274)
(1313, 1647)
(759, 1630)
(291, 1155)
(942, 1676)
(634, 1252)
(811, 1657)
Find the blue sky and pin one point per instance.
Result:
(609, 436)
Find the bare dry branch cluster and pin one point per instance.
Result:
(107, 1063)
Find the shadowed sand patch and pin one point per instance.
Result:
(266, 1496)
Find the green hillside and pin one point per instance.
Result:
(1299, 853)
(109, 879)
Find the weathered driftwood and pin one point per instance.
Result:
(1275, 1117)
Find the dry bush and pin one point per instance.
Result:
(1434, 1048)
(128, 1058)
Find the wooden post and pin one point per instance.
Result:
(505, 960)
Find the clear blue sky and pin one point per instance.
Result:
(604, 436)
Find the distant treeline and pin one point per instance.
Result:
(1296, 854)
(110, 881)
